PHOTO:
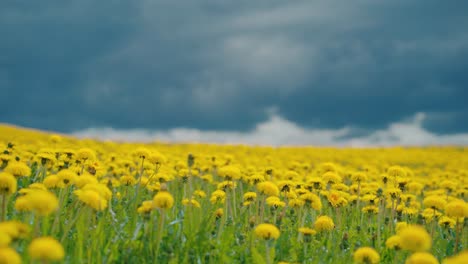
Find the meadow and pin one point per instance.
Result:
(68, 200)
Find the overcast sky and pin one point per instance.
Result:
(265, 71)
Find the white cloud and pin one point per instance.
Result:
(278, 131)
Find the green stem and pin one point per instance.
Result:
(4, 207)
(160, 231)
(267, 252)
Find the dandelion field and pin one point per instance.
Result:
(65, 200)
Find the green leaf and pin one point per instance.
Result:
(257, 258)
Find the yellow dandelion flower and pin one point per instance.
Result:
(51, 182)
(14, 229)
(85, 154)
(8, 183)
(415, 238)
(127, 180)
(46, 249)
(434, 202)
(199, 193)
(457, 209)
(67, 177)
(296, 203)
(396, 171)
(157, 158)
(331, 177)
(142, 153)
(366, 255)
(219, 213)
(393, 242)
(5, 240)
(146, 207)
(250, 196)
(38, 201)
(359, 177)
(92, 199)
(307, 231)
(336, 199)
(9, 256)
(218, 196)
(421, 258)
(163, 200)
(285, 186)
(191, 202)
(82, 180)
(400, 226)
(227, 185)
(268, 188)
(313, 200)
(18, 169)
(393, 193)
(324, 223)
(370, 209)
(446, 222)
(267, 231)
(458, 259)
(230, 172)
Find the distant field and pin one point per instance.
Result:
(84, 201)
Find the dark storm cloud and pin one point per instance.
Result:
(224, 65)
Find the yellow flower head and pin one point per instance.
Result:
(359, 177)
(421, 258)
(296, 203)
(336, 199)
(370, 209)
(307, 231)
(229, 172)
(85, 154)
(8, 183)
(366, 255)
(219, 213)
(396, 172)
(457, 209)
(324, 223)
(458, 259)
(393, 193)
(14, 229)
(9, 256)
(218, 196)
(415, 238)
(286, 186)
(268, 188)
(127, 180)
(191, 202)
(18, 169)
(434, 202)
(199, 194)
(393, 242)
(163, 200)
(313, 200)
(66, 177)
(250, 196)
(146, 207)
(157, 158)
(446, 221)
(38, 201)
(51, 182)
(5, 240)
(46, 249)
(331, 177)
(267, 231)
(142, 153)
(92, 199)
(400, 226)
